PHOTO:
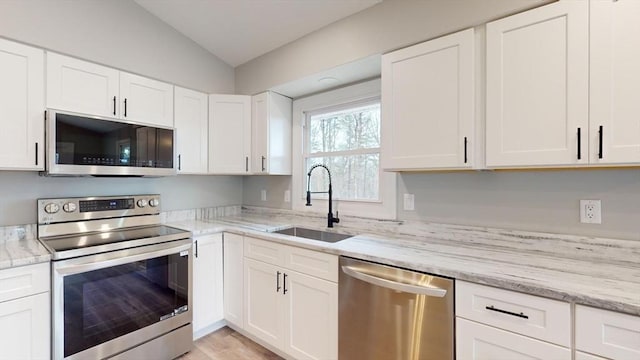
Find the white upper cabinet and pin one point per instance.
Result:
(428, 104)
(21, 107)
(191, 122)
(80, 86)
(88, 88)
(146, 100)
(271, 134)
(229, 134)
(615, 82)
(537, 87)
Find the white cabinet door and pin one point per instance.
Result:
(21, 107)
(80, 86)
(271, 134)
(207, 283)
(312, 317)
(585, 356)
(607, 333)
(428, 104)
(146, 100)
(229, 134)
(537, 87)
(191, 122)
(614, 82)
(234, 279)
(24, 325)
(476, 341)
(264, 312)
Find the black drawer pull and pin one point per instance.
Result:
(579, 145)
(600, 131)
(284, 283)
(465, 149)
(521, 315)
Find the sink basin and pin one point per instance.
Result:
(325, 236)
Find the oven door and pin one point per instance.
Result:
(107, 303)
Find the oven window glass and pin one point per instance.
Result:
(88, 141)
(104, 304)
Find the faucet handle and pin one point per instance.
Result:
(336, 219)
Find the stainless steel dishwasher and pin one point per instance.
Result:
(388, 313)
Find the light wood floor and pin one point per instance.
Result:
(226, 344)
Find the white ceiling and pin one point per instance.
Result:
(237, 31)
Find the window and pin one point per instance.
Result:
(346, 139)
(341, 128)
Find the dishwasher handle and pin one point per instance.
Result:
(408, 288)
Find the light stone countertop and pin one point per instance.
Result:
(19, 247)
(600, 272)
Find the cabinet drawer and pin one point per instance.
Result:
(607, 333)
(265, 251)
(481, 342)
(314, 263)
(24, 280)
(540, 318)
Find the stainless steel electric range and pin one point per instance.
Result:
(121, 281)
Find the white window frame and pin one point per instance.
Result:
(385, 207)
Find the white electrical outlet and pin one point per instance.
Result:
(263, 195)
(409, 202)
(590, 212)
(287, 196)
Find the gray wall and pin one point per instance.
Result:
(120, 34)
(116, 33)
(19, 191)
(275, 186)
(528, 200)
(389, 25)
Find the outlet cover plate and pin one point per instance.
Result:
(590, 211)
(409, 202)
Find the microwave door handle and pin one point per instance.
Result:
(81, 268)
(394, 285)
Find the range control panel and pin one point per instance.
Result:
(96, 207)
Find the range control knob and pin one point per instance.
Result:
(154, 202)
(69, 207)
(51, 208)
(142, 203)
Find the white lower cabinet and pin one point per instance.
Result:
(234, 279)
(607, 333)
(584, 356)
(264, 314)
(498, 324)
(25, 312)
(482, 342)
(312, 316)
(207, 284)
(292, 311)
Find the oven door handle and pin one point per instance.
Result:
(95, 265)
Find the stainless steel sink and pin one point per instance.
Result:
(325, 236)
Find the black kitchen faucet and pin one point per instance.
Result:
(330, 218)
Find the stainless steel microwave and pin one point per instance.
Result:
(89, 145)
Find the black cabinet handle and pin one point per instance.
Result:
(278, 281)
(196, 252)
(579, 145)
(600, 142)
(246, 164)
(521, 315)
(284, 284)
(36, 154)
(179, 162)
(465, 149)
(125, 107)
(114, 105)
(263, 158)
